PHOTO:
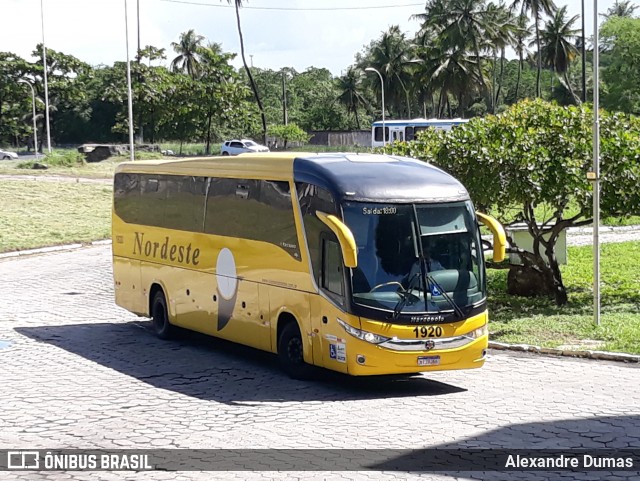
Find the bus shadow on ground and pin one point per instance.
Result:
(209, 368)
(600, 444)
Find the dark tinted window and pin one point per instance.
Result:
(312, 199)
(332, 271)
(252, 209)
(409, 133)
(172, 202)
(377, 133)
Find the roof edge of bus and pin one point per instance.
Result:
(233, 163)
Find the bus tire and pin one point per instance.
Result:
(160, 317)
(291, 354)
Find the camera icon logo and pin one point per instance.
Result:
(23, 460)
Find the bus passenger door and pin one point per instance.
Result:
(397, 134)
(330, 344)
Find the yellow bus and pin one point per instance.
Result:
(360, 263)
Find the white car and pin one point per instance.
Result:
(6, 155)
(235, 147)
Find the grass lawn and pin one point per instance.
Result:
(38, 213)
(540, 322)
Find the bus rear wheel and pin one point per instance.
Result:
(160, 317)
(291, 353)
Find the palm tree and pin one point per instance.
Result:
(188, 58)
(452, 71)
(502, 29)
(558, 51)
(620, 8)
(537, 8)
(462, 25)
(392, 56)
(351, 96)
(254, 87)
(521, 40)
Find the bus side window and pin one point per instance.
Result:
(332, 268)
(377, 134)
(313, 198)
(409, 135)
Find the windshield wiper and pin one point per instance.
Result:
(443, 293)
(405, 295)
(424, 270)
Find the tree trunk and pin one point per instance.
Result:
(518, 79)
(207, 150)
(555, 277)
(493, 83)
(537, 277)
(538, 91)
(575, 98)
(254, 87)
(357, 118)
(501, 75)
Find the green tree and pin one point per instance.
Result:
(521, 40)
(288, 133)
(537, 8)
(15, 99)
(621, 44)
(393, 56)
(220, 97)
(558, 50)
(351, 94)
(67, 84)
(621, 8)
(503, 29)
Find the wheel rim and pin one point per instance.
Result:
(294, 350)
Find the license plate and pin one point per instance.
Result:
(428, 360)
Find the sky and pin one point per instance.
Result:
(277, 33)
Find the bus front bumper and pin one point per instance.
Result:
(365, 359)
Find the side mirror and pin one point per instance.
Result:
(499, 237)
(345, 238)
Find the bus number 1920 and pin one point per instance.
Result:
(428, 331)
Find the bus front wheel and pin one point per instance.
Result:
(291, 353)
(160, 317)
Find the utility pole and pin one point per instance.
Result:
(584, 60)
(139, 76)
(46, 86)
(595, 174)
(129, 99)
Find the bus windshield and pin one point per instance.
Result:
(416, 258)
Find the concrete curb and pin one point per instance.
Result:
(598, 355)
(48, 250)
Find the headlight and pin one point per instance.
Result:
(481, 331)
(363, 335)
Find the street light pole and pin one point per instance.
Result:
(33, 107)
(129, 97)
(384, 130)
(595, 175)
(46, 87)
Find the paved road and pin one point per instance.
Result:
(79, 372)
